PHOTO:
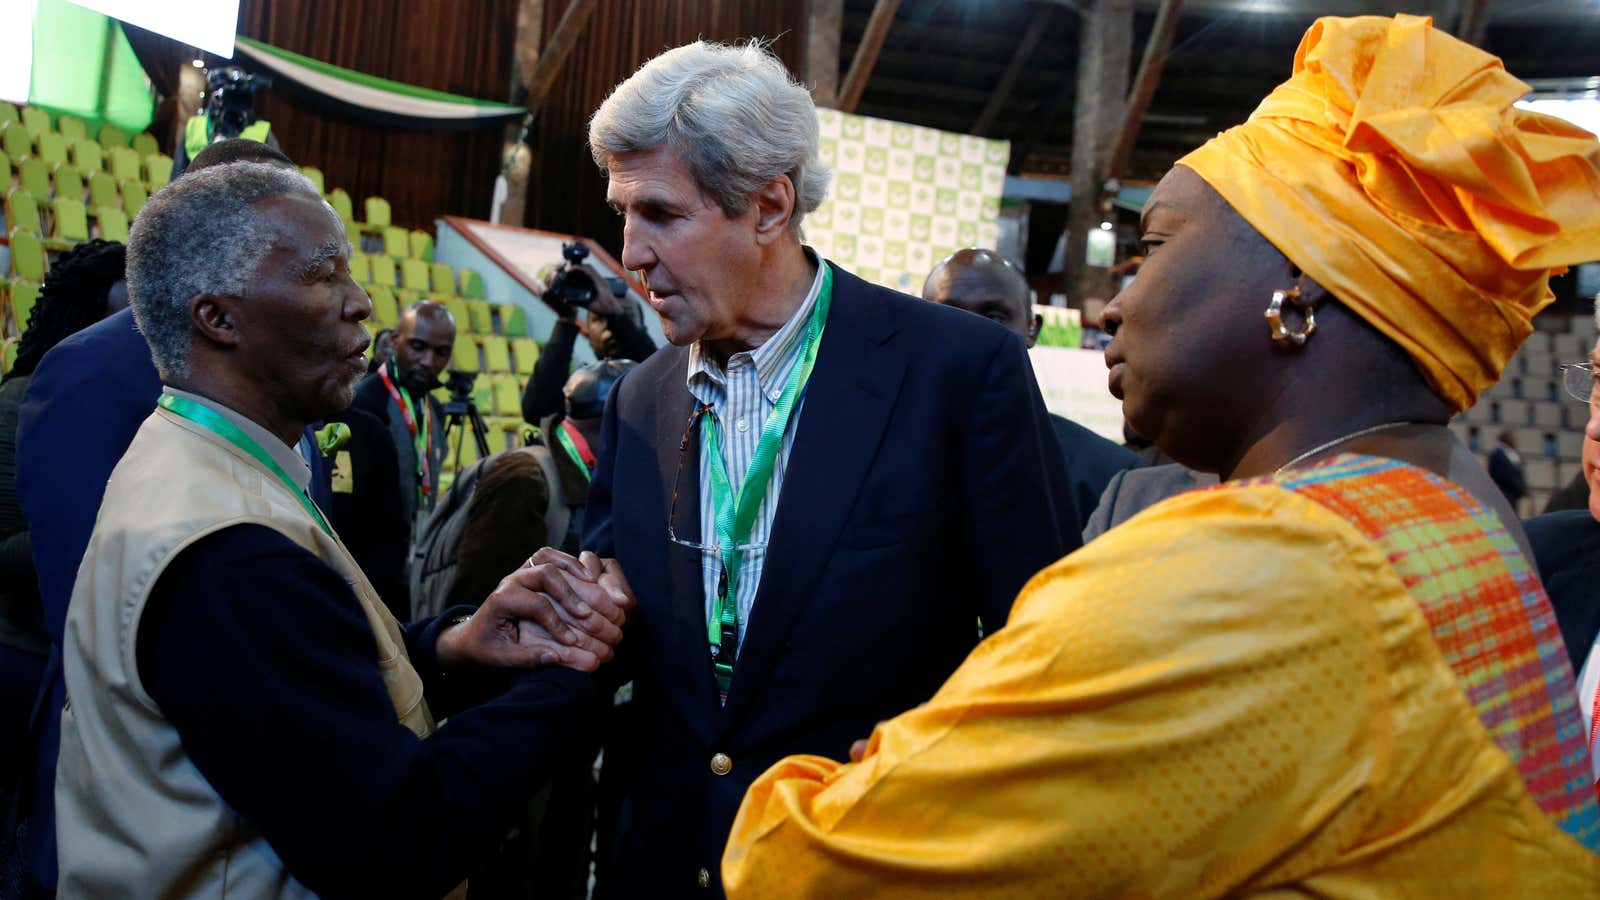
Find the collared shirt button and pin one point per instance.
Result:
(721, 764)
(704, 878)
(743, 425)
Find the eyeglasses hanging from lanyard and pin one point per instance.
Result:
(421, 438)
(735, 517)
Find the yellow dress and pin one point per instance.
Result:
(1255, 689)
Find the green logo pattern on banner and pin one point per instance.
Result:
(904, 197)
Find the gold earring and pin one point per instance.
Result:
(1274, 315)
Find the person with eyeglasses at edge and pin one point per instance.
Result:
(1566, 550)
(816, 492)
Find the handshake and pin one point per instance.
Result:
(555, 610)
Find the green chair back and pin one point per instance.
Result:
(69, 220)
(513, 322)
(395, 243)
(5, 166)
(383, 271)
(507, 399)
(465, 356)
(471, 283)
(113, 224)
(8, 354)
(157, 170)
(524, 354)
(377, 210)
(103, 192)
(414, 275)
(36, 120)
(496, 353)
(112, 136)
(360, 267)
(72, 128)
(8, 113)
(339, 199)
(22, 212)
(27, 256)
(124, 163)
(482, 317)
(385, 310)
(52, 148)
(458, 311)
(144, 144)
(422, 248)
(15, 140)
(134, 197)
(86, 155)
(68, 182)
(444, 279)
(35, 177)
(24, 297)
(315, 175)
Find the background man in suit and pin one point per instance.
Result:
(817, 492)
(399, 396)
(987, 284)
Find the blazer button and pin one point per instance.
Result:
(704, 878)
(721, 764)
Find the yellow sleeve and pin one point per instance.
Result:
(1169, 711)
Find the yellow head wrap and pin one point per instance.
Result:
(1393, 169)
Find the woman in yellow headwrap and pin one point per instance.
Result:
(1335, 674)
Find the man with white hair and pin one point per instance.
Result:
(246, 718)
(818, 492)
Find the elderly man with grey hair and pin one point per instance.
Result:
(246, 718)
(821, 493)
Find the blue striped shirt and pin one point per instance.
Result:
(741, 396)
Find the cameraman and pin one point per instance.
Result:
(613, 324)
(230, 113)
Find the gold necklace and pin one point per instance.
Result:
(1337, 441)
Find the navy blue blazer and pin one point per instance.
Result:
(924, 488)
(85, 403)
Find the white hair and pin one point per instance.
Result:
(199, 236)
(731, 113)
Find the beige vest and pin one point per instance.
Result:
(134, 817)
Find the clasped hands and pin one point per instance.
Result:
(555, 610)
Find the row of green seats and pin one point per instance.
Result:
(66, 182)
(17, 146)
(69, 221)
(36, 121)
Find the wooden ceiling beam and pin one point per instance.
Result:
(554, 55)
(1144, 85)
(866, 56)
(1008, 80)
(824, 23)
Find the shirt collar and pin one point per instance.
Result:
(287, 458)
(772, 360)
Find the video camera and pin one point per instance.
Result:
(459, 384)
(572, 286)
(232, 106)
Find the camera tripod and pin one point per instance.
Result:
(460, 415)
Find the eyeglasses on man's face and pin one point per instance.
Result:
(1578, 379)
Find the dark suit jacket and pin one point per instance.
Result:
(1092, 461)
(924, 488)
(1133, 491)
(1566, 550)
(367, 512)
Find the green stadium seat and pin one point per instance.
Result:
(422, 248)
(24, 296)
(524, 353)
(383, 271)
(340, 201)
(157, 170)
(112, 136)
(69, 221)
(35, 177)
(15, 140)
(113, 224)
(396, 243)
(8, 354)
(86, 155)
(385, 310)
(315, 174)
(52, 148)
(507, 399)
(68, 182)
(27, 256)
(72, 128)
(360, 267)
(406, 297)
(482, 320)
(123, 163)
(36, 120)
(444, 278)
(377, 210)
(483, 395)
(144, 144)
(465, 356)
(352, 233)
(496, 353)
(5, 169)
(414, 274)
(458, 311)
(134, 197)
(8, 113)
(103, 192)
(513, 322)
(471, 283)
(22, 212)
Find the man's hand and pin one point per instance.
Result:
(556, 610)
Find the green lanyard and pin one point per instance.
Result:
(736, 519)
(206, 418)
